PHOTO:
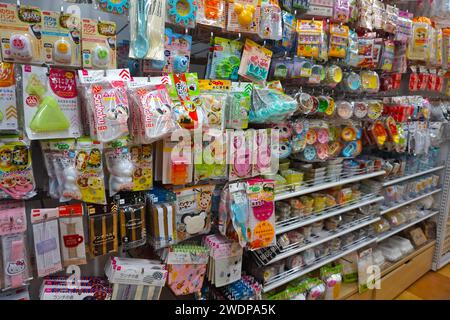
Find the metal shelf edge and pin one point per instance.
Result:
(414, 175)
(318, 265)
(390, 233)
(328, 185)
(325, 216)
(382, 212)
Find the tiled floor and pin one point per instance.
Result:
(432, 286)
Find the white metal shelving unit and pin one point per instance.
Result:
(442, 251)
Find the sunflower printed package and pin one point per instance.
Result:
(80, 172)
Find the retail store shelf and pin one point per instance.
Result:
(325, 236)
(294, 223)
(293, 274)
(411, 176)
(314, 188)
(404, 226)
(385, 210)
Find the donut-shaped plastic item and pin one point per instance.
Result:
(323, 135)
(311, 136)
(360, 109)
(309, 153)
(344, 109)
(322, 151)
(348, 134)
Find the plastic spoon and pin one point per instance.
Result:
(141, 44)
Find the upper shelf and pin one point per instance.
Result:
(411, 176)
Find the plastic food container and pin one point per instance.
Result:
(297, 207)
(390, 252)
(319, 202)
(317, 227)
(295, 236)
(381, 226)
(308, 202)
(335, 244)
(283, 241)
(347, 239)
(283, 210)
(321, 250)
(348, 216)
(308, 256)
(294, 261)
(333, 222)
(306, 231)
(395, 218)
(403, 244)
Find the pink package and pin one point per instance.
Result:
(12, 217)
(341, 11)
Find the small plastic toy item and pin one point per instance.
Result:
(344, 109)
(50, 103)
(334, 74)
(21, 47)
(62, 51)
(182, 12)
(100, 57)
(49, 117)
(211, 13)
(370, 81)
(244, 14)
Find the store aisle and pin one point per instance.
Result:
(432, 286)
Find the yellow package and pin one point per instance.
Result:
(338, 41)
(142, 158)
(98, 44)
(244, 16)
(20, 32)
(419, 44)
(61, 35)
(89, 168)
(310, 39)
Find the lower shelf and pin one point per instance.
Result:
(396, 277)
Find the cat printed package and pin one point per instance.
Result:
(193, 211)
(50, 103)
